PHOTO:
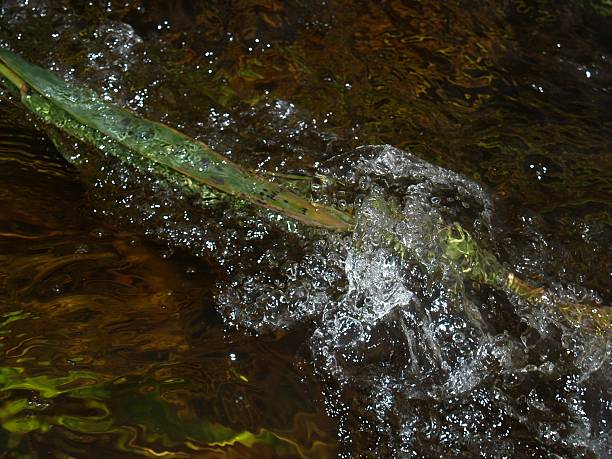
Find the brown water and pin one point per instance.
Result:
(138, 323)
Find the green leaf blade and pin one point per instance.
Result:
(165, 146)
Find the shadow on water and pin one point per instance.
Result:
(137, 322)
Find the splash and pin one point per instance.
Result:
(415, 352)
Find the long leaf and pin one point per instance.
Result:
(81, 113)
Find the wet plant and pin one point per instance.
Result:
(70, 111)
(77, 112)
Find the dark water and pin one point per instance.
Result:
(135, 322)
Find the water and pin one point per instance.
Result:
(137, 321)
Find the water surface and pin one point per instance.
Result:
(137, 322)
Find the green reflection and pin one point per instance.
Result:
(131, 409)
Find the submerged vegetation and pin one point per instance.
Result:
(80, 113)
(73, 111)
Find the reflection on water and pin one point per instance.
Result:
(109, 347)
(135, 321)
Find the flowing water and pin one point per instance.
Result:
(135, 321)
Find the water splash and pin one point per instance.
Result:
(404, 337)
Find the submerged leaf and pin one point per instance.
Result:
(81, 113)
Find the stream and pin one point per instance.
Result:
(137, 321)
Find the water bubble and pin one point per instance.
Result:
(39, 403)
(82, 248)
